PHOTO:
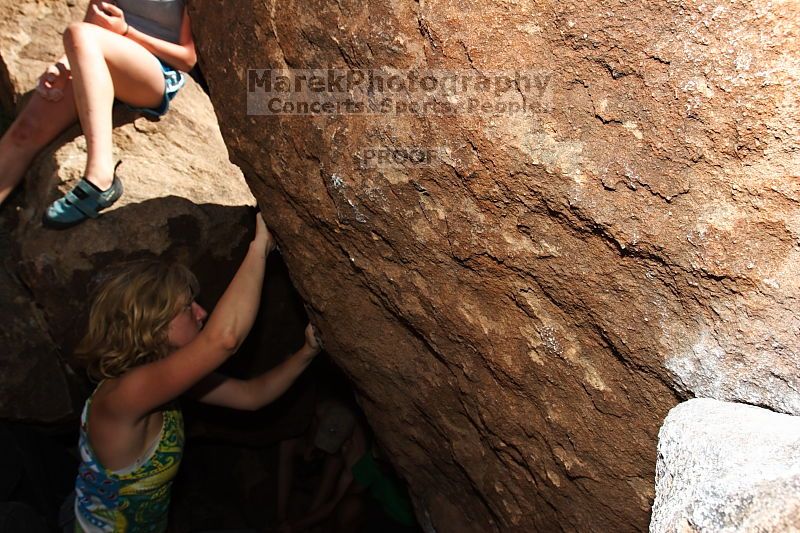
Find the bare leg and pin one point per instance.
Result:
(105, 65)
(39, 122)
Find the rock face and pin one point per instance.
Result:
(30, 39)
(183, 200)
(29, 354)
(520, 312)
(727, 467)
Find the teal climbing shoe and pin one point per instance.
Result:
(82, 202)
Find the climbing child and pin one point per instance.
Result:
(148, 343)
(129, 50)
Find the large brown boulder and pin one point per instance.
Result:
(183, 200)
(520, 313)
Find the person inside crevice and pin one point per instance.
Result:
(357, 490)
(148, 343)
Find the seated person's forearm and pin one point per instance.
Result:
(182, 57)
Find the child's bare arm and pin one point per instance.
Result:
(261, 390)
(146, 387)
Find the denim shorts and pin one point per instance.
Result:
(173, 81)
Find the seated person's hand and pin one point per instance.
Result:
(52, 82)
(312, 340)
(108, 16)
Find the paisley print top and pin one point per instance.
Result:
(134, 499)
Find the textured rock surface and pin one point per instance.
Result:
(183, 200)
(29, 353)
(30, 39)
(520, 314)
(727, 467)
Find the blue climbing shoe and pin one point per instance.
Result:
(82, 202)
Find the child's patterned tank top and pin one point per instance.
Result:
(134, 499)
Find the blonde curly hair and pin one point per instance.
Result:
(130, 315)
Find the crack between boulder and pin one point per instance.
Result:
(423, 28)
(275, 30)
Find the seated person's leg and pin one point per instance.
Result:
(104, 65)
(39, 122)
